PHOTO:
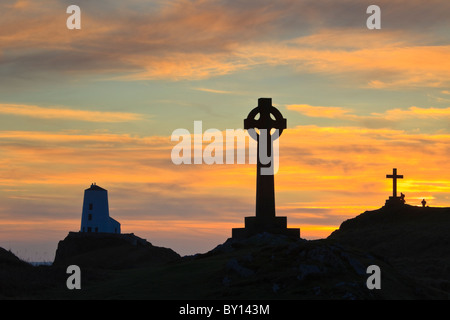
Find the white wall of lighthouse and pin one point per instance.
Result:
(95, 216)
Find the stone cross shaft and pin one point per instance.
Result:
(265, 192)
(259, 124)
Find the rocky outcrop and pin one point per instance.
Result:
(268, 266)
(414, 240)
(109, 251)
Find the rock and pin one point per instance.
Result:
(356, 265)
(110, 251)
(317, 290)
(306, 270)
(234, 265)
(349, 296)
(413, 240)
(275, 288)
(226, 281)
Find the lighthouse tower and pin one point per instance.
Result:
(95, 216)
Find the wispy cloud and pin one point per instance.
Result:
(68, 114)
(387, 66)
(208, 38)
(415, 112)
(387, 118)
(214, 91)
(319, 111)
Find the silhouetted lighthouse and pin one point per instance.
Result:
(95, 216)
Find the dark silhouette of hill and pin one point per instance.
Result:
(108, 250)
(263, 266)
(409, 244)
(19, 279)
(413, 240)
(8, 259)
(97, 255)
(11, 269)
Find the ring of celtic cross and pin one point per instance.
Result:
(265, 121)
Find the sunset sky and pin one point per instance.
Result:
(100, 104)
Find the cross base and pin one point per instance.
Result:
(275, 225)
(394, 201)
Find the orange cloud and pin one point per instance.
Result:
(181, 66)
(317, 111)
(203, 39)
(387, 116)
(390, 66)
(415, 112)
(214, 91)
(67, 114)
